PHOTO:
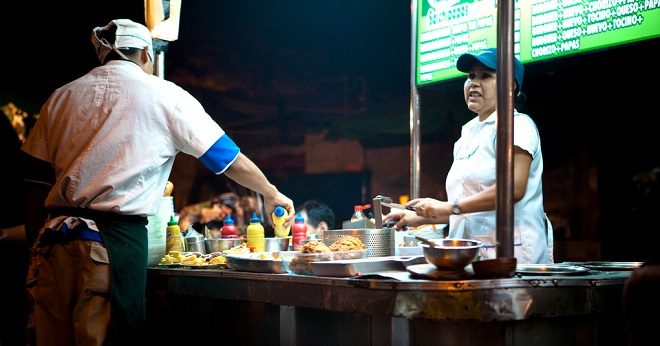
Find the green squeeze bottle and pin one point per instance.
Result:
(255, 234)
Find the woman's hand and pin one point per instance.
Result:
(403, 218)
(431, 210)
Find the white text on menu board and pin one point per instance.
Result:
(439, 48)
(557, 26)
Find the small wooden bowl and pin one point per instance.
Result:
(501, 267)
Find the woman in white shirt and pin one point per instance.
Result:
(471, 181)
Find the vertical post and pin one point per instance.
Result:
(415, 165)
(505, 107)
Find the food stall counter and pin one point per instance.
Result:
(392, 307)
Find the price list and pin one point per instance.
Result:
(542, 29)
(558, 27)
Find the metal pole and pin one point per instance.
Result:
(414, 108)
(505, 108)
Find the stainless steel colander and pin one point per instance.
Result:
(379, 240)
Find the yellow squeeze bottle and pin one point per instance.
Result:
(255, 234)
(174, 238)
(279, 217)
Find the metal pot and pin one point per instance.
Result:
(220, 244)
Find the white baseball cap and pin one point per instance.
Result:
(128, 34)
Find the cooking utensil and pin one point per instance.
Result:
(381, 241)
(451, 254)
(425, 241)
(387, 201)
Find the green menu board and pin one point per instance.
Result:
(542, 30)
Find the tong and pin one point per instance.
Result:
(387, 201)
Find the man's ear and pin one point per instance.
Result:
(145, 56)
(322, 226)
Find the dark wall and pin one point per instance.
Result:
(605, 104)
(340, 191)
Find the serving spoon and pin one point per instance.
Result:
(425, 241)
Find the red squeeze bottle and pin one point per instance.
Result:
(228, 229)
(298, 231)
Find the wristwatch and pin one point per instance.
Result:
(456, 210)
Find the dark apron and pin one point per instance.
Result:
(125, 238)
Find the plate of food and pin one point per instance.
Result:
(258, 262)
(193, 260)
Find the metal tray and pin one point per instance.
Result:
(550, 269)
(192, 266)
(247, 263)
(611, 266)
(361, 266)
(208, 266)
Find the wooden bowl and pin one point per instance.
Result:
(496, 268)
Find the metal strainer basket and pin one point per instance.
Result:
(379, 240)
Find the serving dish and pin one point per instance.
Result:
(193, 266)
(410, 251)
(301, 263)
(550, 269)
(361, 266)
(611, 266)
(204, 266)
(258, 262)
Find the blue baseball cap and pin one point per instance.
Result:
(488, 57)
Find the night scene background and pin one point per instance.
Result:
(318, 92)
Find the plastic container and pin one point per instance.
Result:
(255, 234)
(299, 232)
(301, 263)
(358, 212)
(174, 238)
(228, 229)
(279, 217)
(157, 231)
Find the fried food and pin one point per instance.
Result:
(314, 246)
(346, 243)
(301, 263)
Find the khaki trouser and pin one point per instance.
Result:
(71, 300)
